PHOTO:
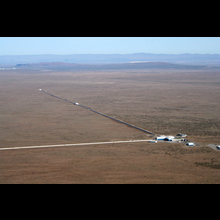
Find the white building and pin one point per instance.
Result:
(161, 137)
(169, 138)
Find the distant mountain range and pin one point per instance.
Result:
(192, 59)
(112, 66)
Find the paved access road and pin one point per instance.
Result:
(69, 145)
(88, 108)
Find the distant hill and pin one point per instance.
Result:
(133, 65)
(45, 64)
(195, 59)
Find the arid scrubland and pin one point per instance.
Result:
(168, 101)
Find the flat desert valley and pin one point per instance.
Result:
(164, 101)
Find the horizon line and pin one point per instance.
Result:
(112, 54)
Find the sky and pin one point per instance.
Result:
(108, 45)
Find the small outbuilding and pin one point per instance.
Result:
(153, 141)
(181, 135)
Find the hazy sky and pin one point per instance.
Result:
(108, 45)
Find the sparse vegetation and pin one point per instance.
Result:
(166, 101)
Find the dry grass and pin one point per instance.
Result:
(164, 102)
(119, 163)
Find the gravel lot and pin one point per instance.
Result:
(213, 146)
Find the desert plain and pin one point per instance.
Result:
(164, 101)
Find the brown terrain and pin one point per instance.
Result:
(164, 101)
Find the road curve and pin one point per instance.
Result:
(88, 108)
(69, 145)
